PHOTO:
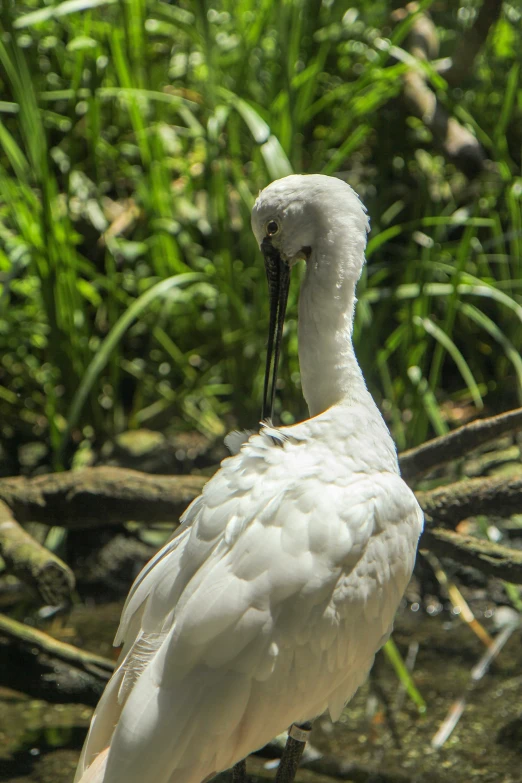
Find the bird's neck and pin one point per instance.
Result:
(330, 374)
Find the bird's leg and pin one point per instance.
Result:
(295, 745)
(239, 774)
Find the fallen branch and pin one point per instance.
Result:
(105, 496)
(34, 663)
(97, 497)
(33, 563)
(491, 559)
(62, 651)
(456, 444)
(448, 505)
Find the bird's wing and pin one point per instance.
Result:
(377, 582)
(215, 518)
(249, 579)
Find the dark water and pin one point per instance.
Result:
(40, 743)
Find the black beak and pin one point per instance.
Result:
(278, 276)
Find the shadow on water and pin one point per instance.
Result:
(379, 738)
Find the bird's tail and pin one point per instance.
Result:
(96, 772)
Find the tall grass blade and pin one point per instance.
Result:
(448, 345)
(111, 341)
(395, 658)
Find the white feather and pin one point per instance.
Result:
(234, 440)
(270, 601)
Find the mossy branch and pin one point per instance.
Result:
(457, 444)
(491, 559)
(448, 505)
(33, 563)
(33, 662)
(97, 497)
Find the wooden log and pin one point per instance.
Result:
(97, 497)
(31, 562)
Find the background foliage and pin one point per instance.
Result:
(134, 137)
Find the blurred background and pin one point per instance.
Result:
(134, 138)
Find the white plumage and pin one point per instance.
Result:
(268, 604)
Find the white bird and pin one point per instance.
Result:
(268, 604)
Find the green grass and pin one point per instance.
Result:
(134, 137)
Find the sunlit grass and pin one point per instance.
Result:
(134, 138)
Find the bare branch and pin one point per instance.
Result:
(438, 451)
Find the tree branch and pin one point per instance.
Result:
(33, 563)
(97, 497)
(456, 444)
(448, 505)
(491, 559)
(103, 496)
(68, 653)
(470, 44)
(33, 662)
(457, 143)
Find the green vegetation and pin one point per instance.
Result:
(134, 136)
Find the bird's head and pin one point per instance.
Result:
(303, 217)
(296, 213)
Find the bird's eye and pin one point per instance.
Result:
(272, 228)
